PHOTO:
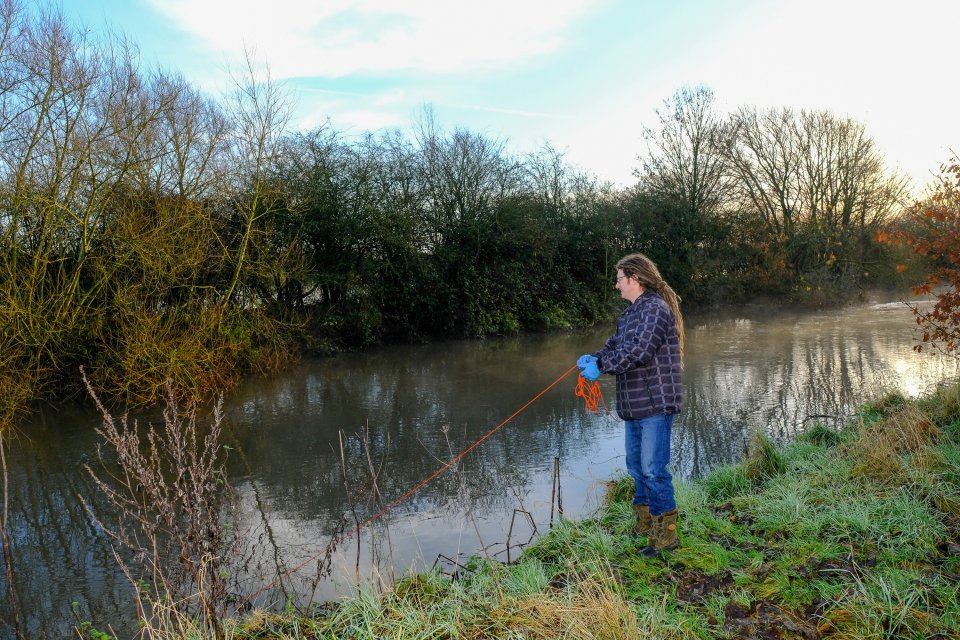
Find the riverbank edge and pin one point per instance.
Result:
(847, 532)
(311, 343)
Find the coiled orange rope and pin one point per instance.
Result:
(591, 394)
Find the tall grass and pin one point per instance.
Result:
(763, 459)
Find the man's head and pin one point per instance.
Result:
(641, 269)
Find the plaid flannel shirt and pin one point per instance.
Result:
(644, 354)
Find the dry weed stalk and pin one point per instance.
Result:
(7, 552)
(368, 490)
(906, 430)
(168, 487)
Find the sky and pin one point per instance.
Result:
(585, 76)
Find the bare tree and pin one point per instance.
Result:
(74, 117)
(816, 182)
(808, 167)
(843, 178)
(764, 161)
(685, 162)
(464, 172)
(560, 188)
(259, 113)
(549, 178)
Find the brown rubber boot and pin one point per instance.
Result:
(663, 536)
(668, 538)
(644, 520)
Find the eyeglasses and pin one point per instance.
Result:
(619, 278)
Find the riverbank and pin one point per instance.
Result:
(846, 533)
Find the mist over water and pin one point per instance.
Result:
(418, 406)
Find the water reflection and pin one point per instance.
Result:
(757, 368)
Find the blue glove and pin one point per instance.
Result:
(591, 372)
(583, 361)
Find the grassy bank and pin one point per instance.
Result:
(849, 533)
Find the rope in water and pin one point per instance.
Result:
(590, 392)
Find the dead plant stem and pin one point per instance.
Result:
(377, 495)
(353, 506)
(7, 552)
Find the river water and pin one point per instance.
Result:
(414, 407)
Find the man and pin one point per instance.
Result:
(645, 353)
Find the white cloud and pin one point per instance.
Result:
(335, 38)
(348, 112)
(524, 113)
(886, 64)
(362, 120)
(880, 63)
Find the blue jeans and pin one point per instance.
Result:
(648, 453)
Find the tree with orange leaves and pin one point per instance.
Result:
(932, 231)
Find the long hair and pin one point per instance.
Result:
(643, 269)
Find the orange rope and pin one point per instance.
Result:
(376, 516)
(591, 394)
